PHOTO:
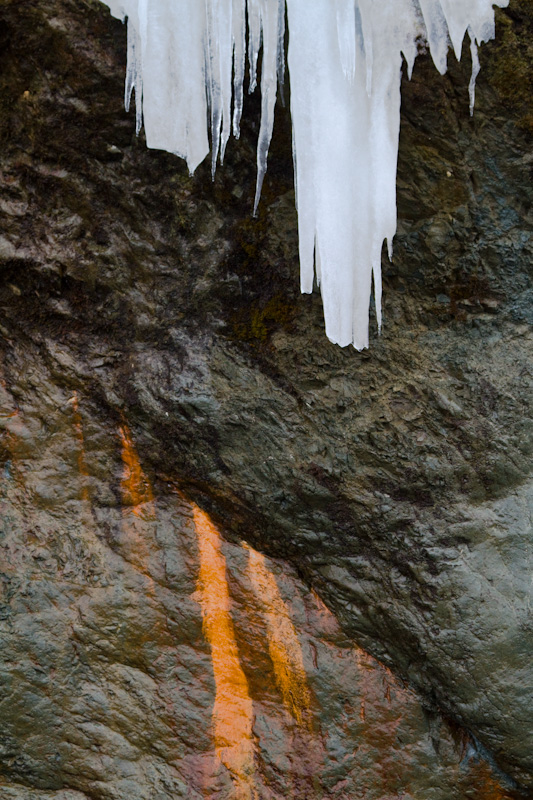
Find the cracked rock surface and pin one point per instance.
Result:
(144, 657)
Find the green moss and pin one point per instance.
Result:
(256, 324)
(249, 235)
(451, 193)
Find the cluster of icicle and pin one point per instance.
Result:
(186, 63)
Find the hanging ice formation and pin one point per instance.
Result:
(186, 60)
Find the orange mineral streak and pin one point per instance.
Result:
(486, 783)
(11, 427)
(232, 711)
(283, 644)
(365, 673)
(82, 462)
(138, 512)
(136, 490)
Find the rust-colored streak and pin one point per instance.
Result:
(486, 785)
(82, 461)
(383, 702)
(232, 711)
(283, 644)
(136, 490)
(138, 511)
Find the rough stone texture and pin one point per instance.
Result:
(397, 481)
(110, 685)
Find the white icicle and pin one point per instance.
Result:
(347, 35)
(134, 73)
(475, 71)
(345, 59)
(239, 60)
(254, 38)
(272, 13)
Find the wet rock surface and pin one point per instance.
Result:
(396, 482)
(145, 657)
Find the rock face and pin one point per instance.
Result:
(397, 482)
(144, 657)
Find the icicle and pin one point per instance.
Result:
(212, 80)
(345, 59)
(254, 39)
(239, 60)
(475, 71)
(134, 76)
(272, 13)
(347, 36)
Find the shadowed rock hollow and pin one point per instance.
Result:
(397, 482)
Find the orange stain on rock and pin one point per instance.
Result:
(486, 784)
(15, 437)
(13, 426)
(136, 490)
(283, 644)
(232, 711)
(138, 511)
(366, 675)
